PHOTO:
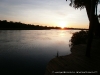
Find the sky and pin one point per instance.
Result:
(43, 12)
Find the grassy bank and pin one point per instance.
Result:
(76, 62)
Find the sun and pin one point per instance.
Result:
(62, 24)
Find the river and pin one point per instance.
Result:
(29, 51)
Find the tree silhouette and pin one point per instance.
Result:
(87, 4)
(5, 25)
(94, 26)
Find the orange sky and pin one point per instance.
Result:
(43, 12)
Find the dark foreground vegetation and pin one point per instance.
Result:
(76, 62)
(80, 37)
(5, 25)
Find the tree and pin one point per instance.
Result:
(87, 4)
(94, 26)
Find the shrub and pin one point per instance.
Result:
(79, 38)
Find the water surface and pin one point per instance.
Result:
(29, 51)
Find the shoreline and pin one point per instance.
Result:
(76, 62)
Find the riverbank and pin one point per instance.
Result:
(76, 62)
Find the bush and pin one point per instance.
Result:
(79, 38)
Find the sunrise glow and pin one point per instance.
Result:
(43, 12)
(62, 24)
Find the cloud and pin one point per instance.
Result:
(40, 11)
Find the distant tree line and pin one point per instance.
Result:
(5, 25)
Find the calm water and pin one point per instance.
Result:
(29, 51)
